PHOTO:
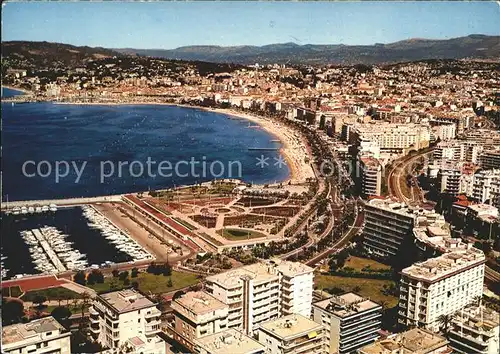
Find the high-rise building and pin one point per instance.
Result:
(440, 286)
(126, 319)
(229, 341)
(475, 330)
(42, 336)
(292, 334)
(197, 314)
(413, 341)
(350, 320)
(263, 291)
(370, 176)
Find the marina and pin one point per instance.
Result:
(70, 239)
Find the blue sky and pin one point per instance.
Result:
(172, 24)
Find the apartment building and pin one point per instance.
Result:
(486, 186)
(388, 223)
(449, 180)
(292, 334)
(263, 291)
(370, 176)
(350, 320)
(490, 159)
(440, 286)
(397, 138)
(444, 131)
(42, 336)
(229, 341)
(475, 330)
(413, 341)
(126, 319)
(197, 314)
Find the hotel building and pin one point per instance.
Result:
(440, 286)
(229, 341)
(42, 336)
(197, 314)
(292, 334)
(414, 341)
(263, 291)
(351, 322)
(126, 318)
(475, 330)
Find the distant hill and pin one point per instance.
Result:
(473, 46)
(49, 55)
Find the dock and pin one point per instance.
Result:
(50, 252)
(264, 149)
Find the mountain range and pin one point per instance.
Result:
(473, 46)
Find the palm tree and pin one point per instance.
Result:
(444, 322)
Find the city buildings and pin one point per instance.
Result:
(292, 334)
(413, 341)
(198, 314)
(126, 319)
(440, 286)
(42, 336)
(350, 320)
(229, 341)
(263, 291)
(475, 330)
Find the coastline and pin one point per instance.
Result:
(294, 150)
(24, 91)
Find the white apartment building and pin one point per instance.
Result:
(449, 180)
(263, 291)
(445, 131)
(351, 322)
(197, 314)
(486, 186)
(440, 286)
(475, 330)
(370, 176)
(42, 336)
(413, 341)
(229, 341)
(126, 319)
(292, 334)
(387, 223)
(395, 137)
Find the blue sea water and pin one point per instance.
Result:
(98, 133)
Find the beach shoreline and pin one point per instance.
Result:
(24, 91)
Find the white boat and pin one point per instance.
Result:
(31, 209)
(45, 208)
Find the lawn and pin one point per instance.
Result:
(371, 288)
(149, 282)
(52, 294)
(359, 263)
(238, 235)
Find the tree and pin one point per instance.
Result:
(115, 273)
(134, 272)
(95, 276)
(12, 311)
(39, 300)
(169, 283)
(126, 281)
(356, 289)
(444, 322)
(80, 278)
(61, 314)
(123, 275)
(135, 285)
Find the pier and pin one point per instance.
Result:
(6, 206)
(264, 149)
(50, 252)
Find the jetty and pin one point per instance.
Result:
(50, 252)
(264, 149)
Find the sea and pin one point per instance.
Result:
(42, 135)
(48, 137)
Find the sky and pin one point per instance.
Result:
(167, 25)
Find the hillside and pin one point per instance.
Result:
(23, 54)
(473, 46)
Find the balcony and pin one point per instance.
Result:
(152, 329)
(94, 329)
(93, 311)
(94, 320)
(153, 314)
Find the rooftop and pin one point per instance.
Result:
(229, 341)
(126, 300)
(290, 326)
(260, 272)
(200, 302)
(435, 268)
(414, 341)
(346, 305)
(31, 332)
(479, 318)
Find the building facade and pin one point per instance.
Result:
(42, 336)
(126, 319)
(263, 291)
(370, 176)
(440, 286)
(350, 321)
